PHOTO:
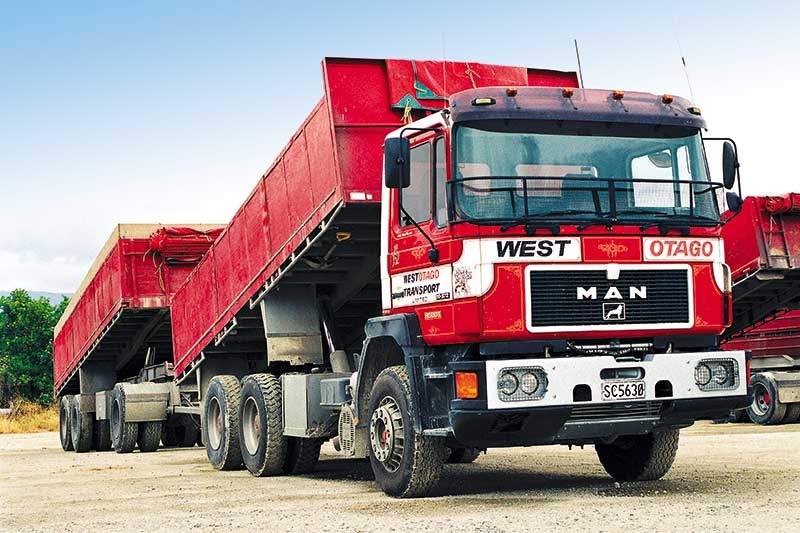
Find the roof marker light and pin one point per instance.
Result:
(512, 91)
(483, 101)
(567, 92)
(667, 99)
(618, 95)
(694, 110)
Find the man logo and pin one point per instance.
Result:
(613, 311)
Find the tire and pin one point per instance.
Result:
(639, 457)
(169, 437)
(221, 423)
(406, 464)
(792, 413)
(180, 430)
(81, 426)
(765, 409)
(101, 440)
(123, 434)
(149, 436)
(64, 433)
(463, 455)
(301, 455)
(263, 445)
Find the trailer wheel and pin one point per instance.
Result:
(123, 434)
(169, 437)
(463, 455)
(102, 436)
(765, 409)
(406, 464)
(81, 427)
(221, 423)
(792, 413)
(302, 455)
(149, 436)
(263, 444)
(64, 416)
(179, 430)
(639, 457)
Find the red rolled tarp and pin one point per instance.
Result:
(182, 244)
(788, 203)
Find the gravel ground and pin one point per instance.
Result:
(726, 477)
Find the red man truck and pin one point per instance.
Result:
(449, 257)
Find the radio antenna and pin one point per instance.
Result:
(444, 72)
(683, 60)
(580, 71)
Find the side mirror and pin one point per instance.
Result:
(734, 202)
(729, 165)
(397, 163)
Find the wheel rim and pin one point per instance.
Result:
(251, 425)
(762, 400)
(386, 434)
(214, 423)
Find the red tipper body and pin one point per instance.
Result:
(762, 245)
(331, 166)
(128, 282)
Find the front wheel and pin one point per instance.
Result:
(639, 457)
(406, 464)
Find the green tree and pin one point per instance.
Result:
(26, 346)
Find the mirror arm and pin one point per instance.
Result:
(433, 253)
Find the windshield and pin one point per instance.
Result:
(507, 170)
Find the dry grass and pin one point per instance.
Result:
(31, 418)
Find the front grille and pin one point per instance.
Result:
(588, 298)
(611, 411)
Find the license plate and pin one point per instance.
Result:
(622, 390)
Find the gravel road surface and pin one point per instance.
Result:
(726, 477)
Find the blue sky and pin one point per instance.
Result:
(169, 111)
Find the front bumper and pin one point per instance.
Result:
(561, 415)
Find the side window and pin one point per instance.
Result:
(417, 196)
(441, 182)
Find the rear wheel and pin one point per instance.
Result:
(463, 455)
(102, 436)
(263, 445)
(765, 409)
(302, 455)
(639, 457)
(149, 436)
(64, 416)
(221, 423)
(792, 413)
(123, 434)
(81, 426)
(406, 464)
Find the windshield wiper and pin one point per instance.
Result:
(539, 220)
(677, 222)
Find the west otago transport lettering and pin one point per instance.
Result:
(422, 286)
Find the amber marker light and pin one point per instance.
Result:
(512, 91)
(618, 95)
(667, 99)
(567, 92)
(466, 385)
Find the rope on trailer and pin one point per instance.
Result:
(407, 118)
(469, 72)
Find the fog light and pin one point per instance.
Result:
(529, 383)
(507, 383)
(702, 374)
(720, 374)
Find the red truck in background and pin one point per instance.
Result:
(763, 251)
(448, 257)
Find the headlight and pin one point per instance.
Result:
(702, 374)
(720, 374)
(529, 383)
(521, 384)
(717, 374)
(507, 383)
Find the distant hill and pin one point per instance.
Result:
(54, 297)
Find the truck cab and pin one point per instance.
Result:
(552, 272)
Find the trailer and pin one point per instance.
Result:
(453, 256)
(117, 324)
(763, 248)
